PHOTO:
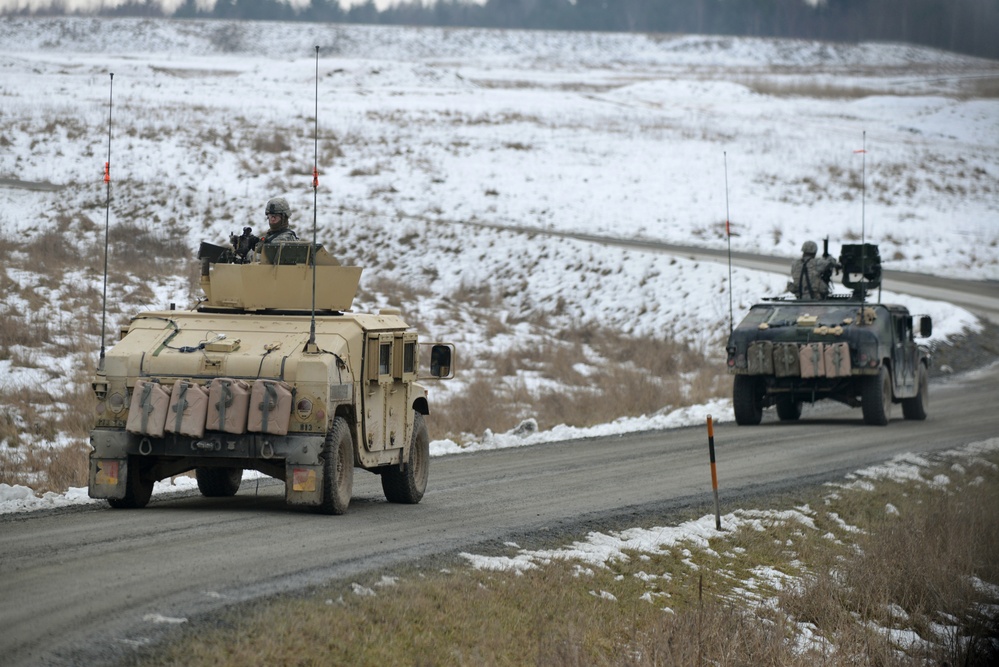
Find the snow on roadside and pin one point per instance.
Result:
(601, 549)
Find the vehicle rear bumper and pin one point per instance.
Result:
(296, 448)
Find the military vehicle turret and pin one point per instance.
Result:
(270, 372)
(787, 352)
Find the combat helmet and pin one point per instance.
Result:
(809, 248)
(278, 206)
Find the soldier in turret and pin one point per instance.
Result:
(248, 247)
(278, 211)
(810, 275)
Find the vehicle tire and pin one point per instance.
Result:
(138, 488)
(218, 482)
(338, 468)
(917, 406)
(747, 400)
(788, 409)
(409, 484)
(875, 398)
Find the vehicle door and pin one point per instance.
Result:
(378, 384)
(904, 355)
(391, 366)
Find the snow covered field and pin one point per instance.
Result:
(422, 131)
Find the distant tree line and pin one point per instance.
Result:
(966, 26)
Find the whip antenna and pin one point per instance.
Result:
(728, 235)
(863, 190)
(315, 203)
(863, 220)
(107, 224)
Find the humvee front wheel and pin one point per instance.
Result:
(138, 488)
(338, 468)
(747, 400)
(875, 398)
(917, 406)
(218, 482)
(409, 484)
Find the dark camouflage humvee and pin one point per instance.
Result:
(787, 352)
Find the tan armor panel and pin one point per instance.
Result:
(286, 287)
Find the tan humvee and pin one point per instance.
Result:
(271, 372)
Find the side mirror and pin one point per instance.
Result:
(441, 358)
(925, 326)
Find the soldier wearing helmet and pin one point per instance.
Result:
(278, 211)
(810, 275)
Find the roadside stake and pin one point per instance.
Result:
(714, 471)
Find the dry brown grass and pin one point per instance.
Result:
(33, 418)
(145, 251)
(270, 143)
(919, 559)
(45, 468)
(31, 421)
(811, 89)
(584, 376)
(984, 86)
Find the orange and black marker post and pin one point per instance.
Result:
(714, 470)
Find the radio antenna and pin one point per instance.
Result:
(863, 220)
(107, 224)
(315, 203)
(863, 190)
(728, 235)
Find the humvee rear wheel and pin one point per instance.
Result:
(218, 482)
(747, 400)
(875, 398)
(338, 468)
(788, 409)
(138, 488)
(409, 484)
(917, 406)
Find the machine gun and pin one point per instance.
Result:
(243, 244)
(861, 268)
(236, 253)
(828, 272)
